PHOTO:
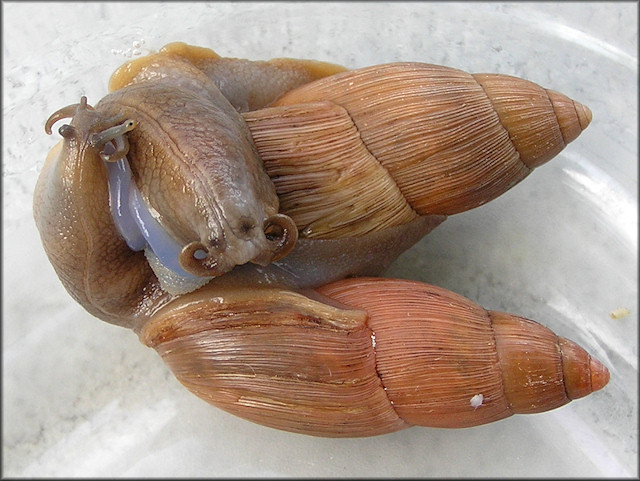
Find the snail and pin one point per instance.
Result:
(235, 215)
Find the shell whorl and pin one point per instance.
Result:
(444, 140)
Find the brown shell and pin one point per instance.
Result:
(424, 138)
(373, 356)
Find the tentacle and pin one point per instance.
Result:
(67, 131)
(114, 141)
(196, 259)
(282, 235)
(101, 138)
(64, 113)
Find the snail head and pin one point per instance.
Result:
(91, 129)
(195, 234)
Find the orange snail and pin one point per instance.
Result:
(232, 213)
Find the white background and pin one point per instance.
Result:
(84, 398)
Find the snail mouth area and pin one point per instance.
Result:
(142, 228)
(246, 243)
(210, 259)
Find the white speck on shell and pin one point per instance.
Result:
(476, 401)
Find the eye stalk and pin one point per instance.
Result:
(64, 113)
(115, 144)
(111, 139)
(101, 138)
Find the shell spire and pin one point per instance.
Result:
(540, 122)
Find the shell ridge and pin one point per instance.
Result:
(383, 167)
(562, 373)
(502, 381)
(379, 375)
(564, 382)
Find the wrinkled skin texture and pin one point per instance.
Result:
(213, 190)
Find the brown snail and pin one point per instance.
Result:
(257, 190)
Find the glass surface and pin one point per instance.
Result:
(84, 398)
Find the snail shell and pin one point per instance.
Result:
(422, 140)
(370, 357)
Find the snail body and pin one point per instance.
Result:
(213, 206)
